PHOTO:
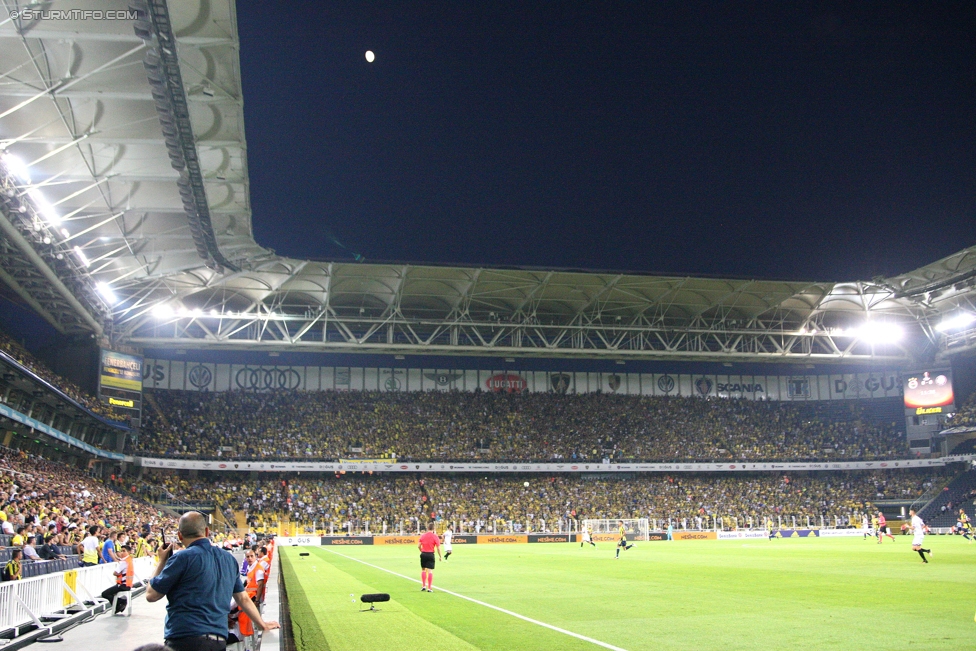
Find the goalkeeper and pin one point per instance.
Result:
(623, 538)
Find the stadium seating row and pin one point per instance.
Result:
(42, 493)
(401, 500)
(460, 426)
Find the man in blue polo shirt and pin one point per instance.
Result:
(108, 549)
(198, 583)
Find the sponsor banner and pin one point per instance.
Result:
(604, 537)
(388, 465)
(347, 540)
(841, 533)
(657, 535)
(301, 541)
(121, 371)
(550, 537)
(502, 539)
(795, 533)
(396, 540)
(743, 535)
(464, 540)
(695, 535)
(206, 376)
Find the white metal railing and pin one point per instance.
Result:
(40, 596)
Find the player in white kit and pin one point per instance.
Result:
(448, 536)
(586, 538)
(918, 529)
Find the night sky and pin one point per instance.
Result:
(815, 141)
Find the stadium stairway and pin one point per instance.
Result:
(220, 521)
(151, 399)
(240, 518)
(956, 492)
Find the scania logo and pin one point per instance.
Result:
(665, 383)
(200, 376)
(265, 379)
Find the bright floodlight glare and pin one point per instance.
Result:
(954, 323)
(16, 167)
(44, 207)
(81, 256)
(879, 333)
(370, 57)
(162, 311)
(107, 293)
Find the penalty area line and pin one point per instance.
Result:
(487, 605)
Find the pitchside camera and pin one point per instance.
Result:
(303, 553)
(375, 598)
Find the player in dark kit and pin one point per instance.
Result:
(623, 538)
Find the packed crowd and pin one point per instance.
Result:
(406, 500)
(490, 426)
(58, 504)
(31, 363)
(461, 426)
(966, 414)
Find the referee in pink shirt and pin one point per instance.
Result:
(429, 542)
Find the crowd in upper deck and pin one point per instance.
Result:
(25, 359)
(485, 426)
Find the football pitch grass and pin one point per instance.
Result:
(808, 593)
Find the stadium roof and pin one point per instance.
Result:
(135, 225)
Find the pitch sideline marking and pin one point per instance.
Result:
(487, 605)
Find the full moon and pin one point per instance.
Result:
(370, 57)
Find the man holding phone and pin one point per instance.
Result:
(199, 583)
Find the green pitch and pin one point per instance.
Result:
(808, 593)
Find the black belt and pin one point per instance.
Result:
(208, 636)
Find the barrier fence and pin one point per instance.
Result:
(716, 523)
(42, 596)
(654, 535)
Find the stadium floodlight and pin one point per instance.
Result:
(81, 256)
(163, 311)
(879, 332)
(956, 322)
(16, 167)
(45, 208)
(106, 291)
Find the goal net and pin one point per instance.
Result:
(637, 528)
